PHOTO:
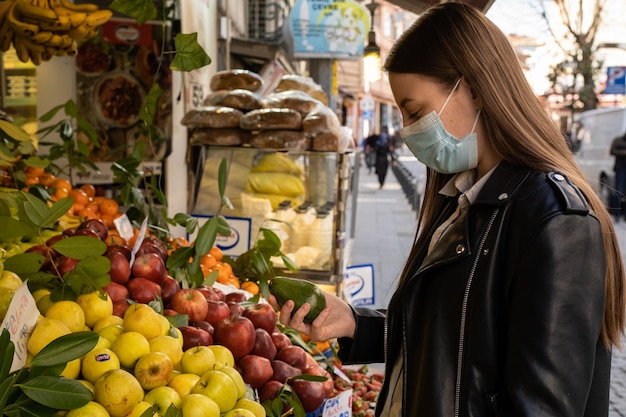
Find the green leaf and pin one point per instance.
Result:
(140, 10)
(5, 389)
(180, 257)
(47, 116)
(13, 228)
(57, 210)
(148, 110)
(57, 392)
(189, 53)
(33, 210)
(211, 278)
(93, 269)
(223, 228)
(12, 131)
(172, 411)
(65, 349)
(24, 263)
(206, 236)
(80, 247)
(70, 108)
(222, 177)
(7, 348)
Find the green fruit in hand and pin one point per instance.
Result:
(301, 292)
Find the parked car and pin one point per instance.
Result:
(591, 145)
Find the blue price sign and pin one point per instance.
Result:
(615, 80)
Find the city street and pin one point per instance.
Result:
(384, 231)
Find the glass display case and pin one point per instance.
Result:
(303, 196)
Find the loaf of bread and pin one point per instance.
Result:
(302, 83)
(212, 116)
(236, 78)
(237, 99)
(280, 140)
(293, 99)
(220, 136)
(321, 119)
(271, 119)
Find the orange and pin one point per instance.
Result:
(208, 261)
(79, 196)
(60, 184)
(89, 189)
(31, 180)
(205, 271)
(216, 253)
(47, 179)
(234, 281)
(109, 206)
(114, 239)
(250, 286)
(108, 220)
(34, 171)
(60, 193)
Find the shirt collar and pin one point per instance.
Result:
(466, 184)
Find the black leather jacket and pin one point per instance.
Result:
(504, 318)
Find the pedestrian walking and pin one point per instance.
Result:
(512, 297)
(384, 154)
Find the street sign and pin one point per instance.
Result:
(615, 80)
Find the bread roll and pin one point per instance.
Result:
(222, 137)
(280, 139)
(271, 119)
(321, 119)
(293, 99)
(236, 78)
(212, 116)
(237, 99)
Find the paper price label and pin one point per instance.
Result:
(20, 320)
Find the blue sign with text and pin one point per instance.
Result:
(615, 80)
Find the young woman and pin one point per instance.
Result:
(513, 294)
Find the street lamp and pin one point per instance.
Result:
(371, 52)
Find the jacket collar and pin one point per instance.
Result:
(502, 184)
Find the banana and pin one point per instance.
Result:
(86, 8)
(61, 23)
(19, 26)
(28, 10)
(66, 41)
(98, 18)
(79, 32)
(76, 18)
(42, 37)
(20, 48)
(55, 41)
(6, 33)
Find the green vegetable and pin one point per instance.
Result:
(301, 292)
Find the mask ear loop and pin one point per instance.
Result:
(449, 96)
(475, 121)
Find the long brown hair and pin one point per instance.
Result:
(453, 39)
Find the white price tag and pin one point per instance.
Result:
(20, 320)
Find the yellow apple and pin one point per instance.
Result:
(237, 379)
(183, 383)
(162, 397)
(223, 356)
(140, 408)
(129, 347)
(91, 409)
(102, 343)
(98, 362)
(118, 391)
(40, 293)
(219, 387)
(95, 305)
(154, 369)
(10, 280)
(165, 325)
(111, 332)
(198, 405)
(44, 332)
(143, 319)
(69, 312)
(179, 337)
(105, 321)
(239, 412)
(72, 369)
(254, 406)
(87, 384)
(44, 303)
(169, 346)
(197, 360)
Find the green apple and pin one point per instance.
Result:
(199, 405)
(6, 295)
(197, 360)
(162, 397)
(257, 409)
(183, 383)
(91, 409)
(10, 280)
(237, 379)
(154, 369)
(118, 391)
(219, 387)
(223, 356)
(129, 347)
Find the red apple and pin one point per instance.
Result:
(65, 264)
(154, 244)
(169, 288)
(262, 315)
(169, 312)
(280, 339)
(116, 291)
(191, 302)
(53, 240)
(283, 371)
(143, 290)
(69, 232)
(150, 248)
(216, 311)
(255, 370)
(310, 393)
(195, 336)
(124, 249)
(269, 390)
(204, 325)
(149, 266)
(319, 371)
(235, 296)
(120, 267)
(86, 232)
(212, 293)
(236, 333)
(293, 355)
(95, 225)
(263, 344)
(119, 307)
(236, 309)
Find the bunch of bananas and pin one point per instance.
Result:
(41, 29)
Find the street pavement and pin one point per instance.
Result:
(384, 229)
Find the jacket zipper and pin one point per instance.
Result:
(457, 390)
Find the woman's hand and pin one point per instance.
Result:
(335, 320)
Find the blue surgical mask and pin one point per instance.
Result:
(435, 147)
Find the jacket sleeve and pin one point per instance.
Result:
(556, 299)
(368, 344)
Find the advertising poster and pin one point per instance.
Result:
(329, 29)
